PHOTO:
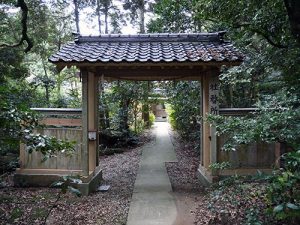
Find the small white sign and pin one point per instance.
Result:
(92, 135)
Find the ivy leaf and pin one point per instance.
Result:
(57, 184)
(292, 206)
(76, 181)
(74, 191)
(278, 208)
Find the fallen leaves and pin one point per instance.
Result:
(31, 205)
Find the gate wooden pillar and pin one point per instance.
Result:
(210, 105)
(90, 140)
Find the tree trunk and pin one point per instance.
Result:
(101, 109)
(124, 115)
(145, 108)
(106, 19)
(46, 84)
(293, 11)
(99, 16)
(107, 122)
(76, 16)
(47, 95)
(135, 116)
(142, 16)
(103, 112)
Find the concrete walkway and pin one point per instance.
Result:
(152, 203)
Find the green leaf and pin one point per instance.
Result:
(278, 208)
(76, 181)
(74, 191)
(292, 206)
(57, 184)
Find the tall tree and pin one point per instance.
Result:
(174, 16)
(293, 11)
(76, 14)
(137, 10)
(272, 59)
(79, 5)
(24, 35)
(16, 96)
(113, 17)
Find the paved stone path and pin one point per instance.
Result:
(152, 202)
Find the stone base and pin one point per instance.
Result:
(92, 185)
(205, 176)
(45, 178)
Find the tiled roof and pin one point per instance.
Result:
(201, 47)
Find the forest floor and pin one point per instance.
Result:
(233, 201)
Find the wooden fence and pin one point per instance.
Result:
(247, 158)
(64, 124)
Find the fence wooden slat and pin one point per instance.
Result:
(61, 122)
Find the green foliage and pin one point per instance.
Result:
(269, 77)
(184, 114)
(252, 216)
(67, 184)
(15, 214)
(48, 146)
(283, 193)
(276, 197)
(151, 119)
(220, 166)
(275, 120)
(174, 16)
(19, 124)
(247, 18)
(124, 101)
(11, 64)
(22, 77)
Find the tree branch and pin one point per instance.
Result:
(52, 207)
(264, 35)
(247, 25)
(269, 40)
(24, 9)
(293, 11)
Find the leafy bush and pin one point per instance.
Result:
(18, 125)
(184, 109)
(151, 119)
(275, 120)
(220, 166)
(283, 194)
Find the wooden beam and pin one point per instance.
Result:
(61, 122)
(244, 171)
(210, 105)
(87, 65)
(159, 72)
(213, 109)
(48, 171)
(153, 78)
(155, 73)
(92, 118)
(205, 125)
(85, 147)
(57, 111)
